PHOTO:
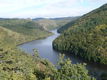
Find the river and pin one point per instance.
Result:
(44, 47)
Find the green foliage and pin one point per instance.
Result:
(36, 54)
(66, 26)
(21, 30)
(68, 71)
(18, 65)
(87, 38)
(15, 64)
(90, 45)
(104, 76)
(90, 20)
(49, 24)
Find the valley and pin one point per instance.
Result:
(66, 48)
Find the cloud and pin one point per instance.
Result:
(47, 8)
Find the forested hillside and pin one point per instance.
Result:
(67, 25)
(18, 65)
(90, 20)
(86, 37)
(52, 23)
(22, 30)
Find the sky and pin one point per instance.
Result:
(47, 8)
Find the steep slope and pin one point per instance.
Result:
(14, 63)
(66, 26)
(87, 37)
(92, 19)
(22, 30)
(7, 36)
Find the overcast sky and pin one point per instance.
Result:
(47, 8)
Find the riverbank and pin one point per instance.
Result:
(45, 49)
(50, 34)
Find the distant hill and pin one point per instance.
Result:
(63, 18)
(52, 23)
(86, 37)
(21, 30)
(38, 19)
(3, 18)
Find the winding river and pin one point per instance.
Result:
(46, 51)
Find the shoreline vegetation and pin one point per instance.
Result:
(18, 65)
(86, 37)
(35, 39)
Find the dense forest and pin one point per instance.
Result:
(66, 26)
(18, 65)
(86, 37)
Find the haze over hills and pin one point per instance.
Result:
(86, 37)
(52, 23)
(46, 23)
